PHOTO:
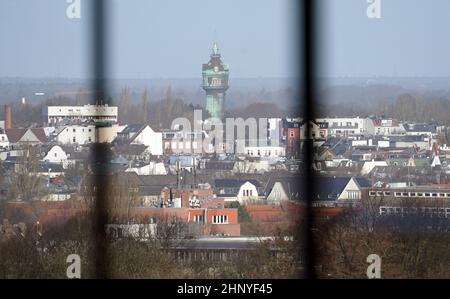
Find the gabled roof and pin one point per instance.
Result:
(150, 190)
(157, 180)
(127, 135)
(133, 128)
(15, 134)
(40, 134)
(291, 185)
(325, 187)
(234, 183)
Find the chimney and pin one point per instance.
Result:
(8, 117)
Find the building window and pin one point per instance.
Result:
(74, 140)
(220, 219)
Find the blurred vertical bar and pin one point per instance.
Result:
(100, 152)
(307, 24)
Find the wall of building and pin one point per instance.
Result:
(277, 193)
(247, 192)
(4, 140)
(56, 114)
(76, 135)
(151, 139)
(56, 155)
(265, 151)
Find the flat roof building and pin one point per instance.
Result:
(87, 113)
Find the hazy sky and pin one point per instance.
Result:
(151, 38)
(412, 38)
(172, 38)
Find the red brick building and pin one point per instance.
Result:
(290, 132)
(213, 221)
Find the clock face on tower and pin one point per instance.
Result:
(215, 83)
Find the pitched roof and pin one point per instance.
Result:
(326, 188)
(127, 135)
(157, 180)
(133, 128)
(234, 183)
(15, 134)
(40, 134)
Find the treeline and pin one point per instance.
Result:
(159, 113)
(44, 256)
(405, 107)
(410, 246)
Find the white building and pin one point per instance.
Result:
(96, 113)
(4, 142)
(76, 134)
(265, 151)
(387, 127)
(181, 142)
(351, 191)
(368, 166)
(274, 131)
(153, 168)
(247, 192)
(346, 126)
(56, 154)
(141, 134)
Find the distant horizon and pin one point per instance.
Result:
(231, 78)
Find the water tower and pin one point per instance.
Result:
(215, 83)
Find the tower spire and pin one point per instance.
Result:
(215, 49)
